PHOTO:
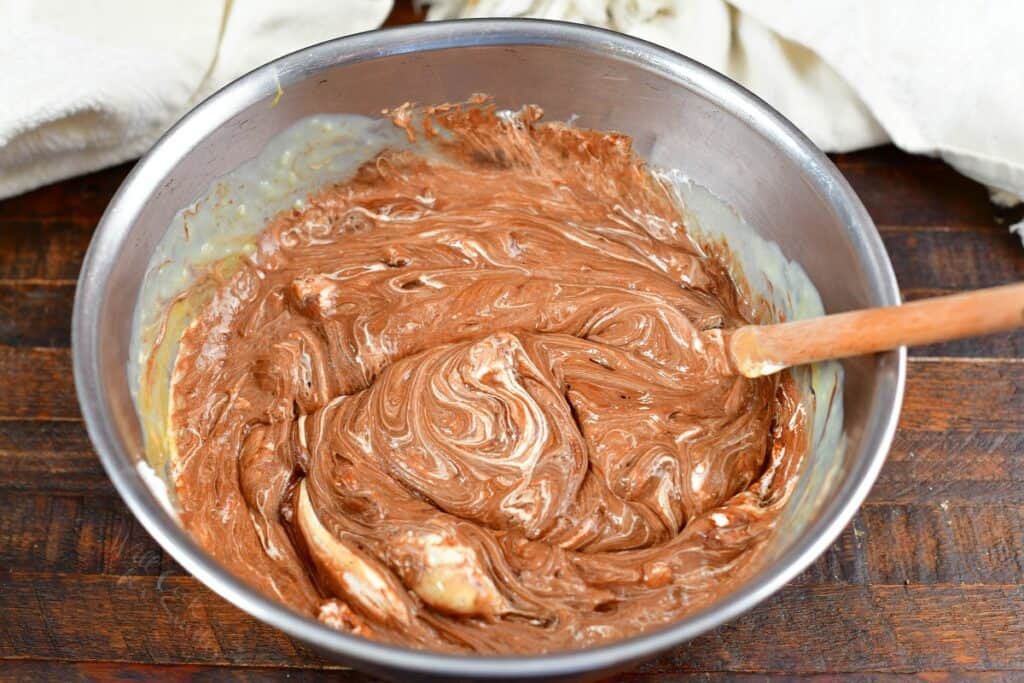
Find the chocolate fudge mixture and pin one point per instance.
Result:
(475, 399)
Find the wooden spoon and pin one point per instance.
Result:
(758, 350)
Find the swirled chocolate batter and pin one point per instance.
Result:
(475, 399)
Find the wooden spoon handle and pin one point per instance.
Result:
(758, 350)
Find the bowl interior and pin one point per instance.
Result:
(680, 116)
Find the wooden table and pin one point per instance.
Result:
(927, 580)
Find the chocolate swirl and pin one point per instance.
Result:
(475, 399)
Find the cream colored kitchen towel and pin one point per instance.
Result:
(939, 77)
(89, 83)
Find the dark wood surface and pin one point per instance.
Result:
(927, 581)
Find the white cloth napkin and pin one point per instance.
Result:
(89, 83)
(939, 77)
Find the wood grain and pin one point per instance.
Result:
(932, 544)
(824, 628)
(929, 259)
(80, 200)
(36, 300)
(144, 618)
(56, 458)
(819, 629)
(941, 259)
(953, 467)
(78, 535)
(404, 13)
(75, 672)
(82, 672)
(936, 542)
(48, 456)
(952, 395)
(42, 249)
(941, 394)
(915, 190)
(38, 384)
(36, 313)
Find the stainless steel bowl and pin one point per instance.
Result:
(679, 113)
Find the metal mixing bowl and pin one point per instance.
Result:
(679, 113)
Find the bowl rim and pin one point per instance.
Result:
(115, 226)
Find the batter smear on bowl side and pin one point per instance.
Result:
(475, 399)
